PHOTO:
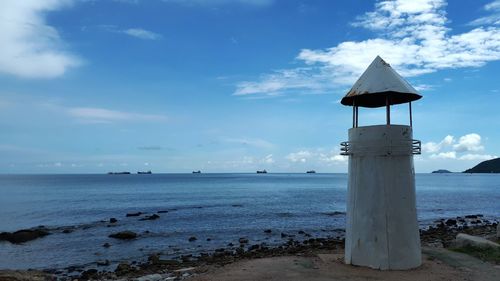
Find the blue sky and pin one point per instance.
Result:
(235, 86)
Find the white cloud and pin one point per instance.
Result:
(445, 155)
(102, 115)
(432, 147)
(136, 32)
(268, 159)
(470, 142)
(142, 34)
(477, 157)
(494, 18)
(495, 5)
(450, 148)
(423, 87)
(300, 156)
(411, 35)
(317, 156)
(259, 143)
(333, 156)
(297, 79)
(30, 47)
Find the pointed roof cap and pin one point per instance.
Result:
(378, 83)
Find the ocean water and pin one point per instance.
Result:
(219, 207)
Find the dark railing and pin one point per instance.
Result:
(416, 147)
(344, 148)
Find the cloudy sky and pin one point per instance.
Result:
(93, 86)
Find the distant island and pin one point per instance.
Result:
(441, 171)
(488, 166)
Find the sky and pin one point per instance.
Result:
(91, 86)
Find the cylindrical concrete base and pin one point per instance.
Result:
(382, 228)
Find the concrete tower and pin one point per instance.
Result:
(382, 228)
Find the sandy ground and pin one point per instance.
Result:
(438, 264)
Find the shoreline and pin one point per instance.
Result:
(439, 235)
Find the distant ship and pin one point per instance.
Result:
(119, 173)
(144, 173)
(262, 172)
(197, 172)
(311, 172)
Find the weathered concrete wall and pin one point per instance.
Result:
(382, 228)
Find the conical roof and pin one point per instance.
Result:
(378, 83)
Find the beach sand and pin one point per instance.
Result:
(440, 265)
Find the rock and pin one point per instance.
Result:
(498, 230)
(209, 239)
(254, 247)
(186, 258)
(113, 220)
(243, 240)
(103, 263)
(150, 218)
(154, 259)
(451, 222)
(283, 235)
(122, 268)
(237, 205)
(106, 245)
(230, 245)
(124, 235)
(134, 214)
(268, 231)
(162, 212)
(71, 269)
(463, 240)
(471, 217)
(170, 263)
(302, 232)
(67, 230)
(23, 235)
(89, 274)
(192, 239)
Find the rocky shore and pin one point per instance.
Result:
(157, 267)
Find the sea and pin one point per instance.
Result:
(217, 209)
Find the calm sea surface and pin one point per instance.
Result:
(219, 207)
